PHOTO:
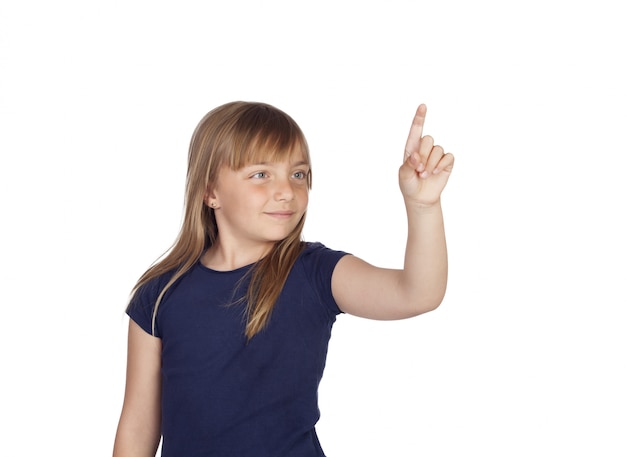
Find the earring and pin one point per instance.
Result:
(213, 204)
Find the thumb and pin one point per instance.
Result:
(411, 167)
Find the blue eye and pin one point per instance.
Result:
(259, 175)
(299, 175)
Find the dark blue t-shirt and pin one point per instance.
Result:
(223, 395)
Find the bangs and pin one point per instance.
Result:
(266, 135)
(266, 150)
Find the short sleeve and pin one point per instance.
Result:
(142, 303)
(319, 264)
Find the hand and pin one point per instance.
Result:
(426, 167)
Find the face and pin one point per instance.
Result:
(261, 203)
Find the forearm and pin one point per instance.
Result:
(424, 278)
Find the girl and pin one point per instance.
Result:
(228, 333)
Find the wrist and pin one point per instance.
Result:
(422, 207)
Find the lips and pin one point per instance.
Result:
(280, 214)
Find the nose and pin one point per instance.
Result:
(283, 190)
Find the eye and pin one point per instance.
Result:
(299, 175)
(259, 175)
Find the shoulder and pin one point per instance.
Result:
(150, 290)
(315, 252)
(144, 298)
(315, 267)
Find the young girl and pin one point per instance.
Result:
(228, 333)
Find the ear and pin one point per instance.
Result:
(210, 199)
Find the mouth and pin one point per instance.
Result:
(280, 214)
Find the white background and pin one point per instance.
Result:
(527, 354)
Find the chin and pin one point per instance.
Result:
(276, 237)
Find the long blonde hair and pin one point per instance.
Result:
(234, 134)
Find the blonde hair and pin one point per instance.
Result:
(234, 134)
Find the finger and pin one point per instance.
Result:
(415, 134)
(445, 164)
(433, 159)
(425, 149)
(417, 160)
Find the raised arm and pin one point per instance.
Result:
(364, 290)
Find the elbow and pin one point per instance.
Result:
(424, 295)
(429, 306)
(426, 304)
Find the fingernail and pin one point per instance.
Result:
(424, 174)
(436, 170)
(420, 167)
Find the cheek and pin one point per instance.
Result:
(303, 196)
(256, 194)
(242, 198)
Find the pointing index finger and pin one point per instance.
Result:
(415, 134)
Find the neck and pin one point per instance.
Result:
(223, 256)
